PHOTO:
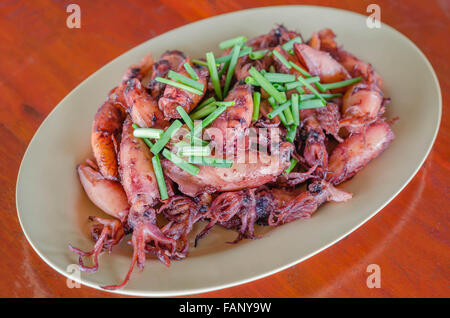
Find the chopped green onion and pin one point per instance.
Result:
(272, 69)
(196, 133)
(292, 132)
(207, 102)
(312, 96)
(212, 117)
(210, 161)
(185, 80)
(191, 71)
(232, 66)
(256, 102)
(224, 68)
(281, 59)
(280, 87)
(151, 133)
(244, 51)
(274, 105)
(239, 40)
(179, 85)
(194, 151)
(204, 111)
(289, 45)
(186, 166)
(295, 109)
(197, 141)
(279, 77)
(298, 68)
(300, 90)
(295, 84)
(146, 140)
(213, 73)
(267, 86)
(256, 55)
(166, 136)
(250, 80)
(288, 114)
(312, 89)
(291, 166)
(279, 110)
(339, 84)
(226, 103)
(160, 177)
(185, 117)
(311, 103)
(199, 62)
(181, 144)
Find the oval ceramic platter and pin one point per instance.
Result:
(53, 207)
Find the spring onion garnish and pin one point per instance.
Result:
(256, 102)
(186, 166)
(295, 109)
(312, 89)
(194, 151)
(300, 90)
(244, 51)
(160, 177)
(223, 69)
(289, 45)
(324, 87)
(296, 84)
(291, 166)
(204, 111)
(250, 80)
(185, 117)
(256, 55)
(210, 161)
(272, 69)
(231, 67)
(212, 117)
(279, 77)
(166, 136)
(278, 110)
(239, 40)
(288, 114)
(213, 73)
(227, 103)
(151, 133)
(274, 105)
(185, 80)
(199, 62)
(205, 103)
(191, 71)
(146, 140)
(197, 141)
(298, 68)
(312, 96)
(280, 87)
(311, 103)
(292, 132)
(267, 86)
(179, 85)
(281, 59)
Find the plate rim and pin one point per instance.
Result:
(184, 292)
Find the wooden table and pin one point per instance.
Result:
(41, 60)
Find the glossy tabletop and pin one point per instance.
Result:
(42, 60)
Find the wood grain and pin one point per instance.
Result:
(41, 60)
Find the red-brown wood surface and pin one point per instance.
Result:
(41, 61)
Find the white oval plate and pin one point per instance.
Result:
(53, 208)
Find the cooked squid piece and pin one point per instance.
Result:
(109, 196)
(105, 137)
(143, 108)
(244, 173)
(355, 152)
(170, 60)
(142, 71)
(141, 188)
(319, 63)
(174, 96)
(305, 204)
(361, 106)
